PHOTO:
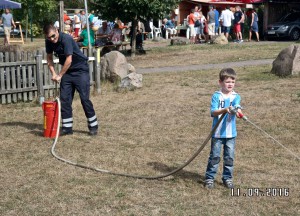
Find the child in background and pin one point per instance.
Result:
(222, 101)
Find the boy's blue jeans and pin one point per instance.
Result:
(214, 158)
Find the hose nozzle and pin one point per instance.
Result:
(234, 111)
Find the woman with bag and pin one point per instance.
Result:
(201, 28)
(254, 25)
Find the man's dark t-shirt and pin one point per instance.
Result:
(67, 46)
(237, 16)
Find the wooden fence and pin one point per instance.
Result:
(24, 76)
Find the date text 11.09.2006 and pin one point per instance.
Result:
(260, 192)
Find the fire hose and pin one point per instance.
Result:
(131, 175)
(232, 110)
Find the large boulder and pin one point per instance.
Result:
(113, 66)
(287, 62)
(220, 39)
(180, 41)
(131, 68)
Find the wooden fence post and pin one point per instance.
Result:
(2, 84)
(39, 71)
(97, 69)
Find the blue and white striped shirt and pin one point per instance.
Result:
(227, 128)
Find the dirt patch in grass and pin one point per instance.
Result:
(151, 131)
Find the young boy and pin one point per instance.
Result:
(222, 101)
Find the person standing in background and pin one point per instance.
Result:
(217, 23)
(253, 25)
(211, 23)
(238, 18)
(82, 19)
(191, 21)
(8, 22)
(77, 23)
(197, 17)
(226, 18)
(91, 17)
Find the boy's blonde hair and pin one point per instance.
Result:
(227, 73)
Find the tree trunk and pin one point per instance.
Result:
(133, 37)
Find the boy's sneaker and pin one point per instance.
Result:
(240, 41)
(228, 183)
(209, 183)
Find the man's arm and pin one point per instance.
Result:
(243, 18)
(64, 68)
(51, 65)
(13, 22)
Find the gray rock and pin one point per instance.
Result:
(287, 62)
(180, 41)
(220, 39)
(113, 66)
(132, 81)
(131, 68)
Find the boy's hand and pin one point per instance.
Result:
(239, 113)
(230, 109)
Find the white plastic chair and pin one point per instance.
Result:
(167, 34)
(188, 33)
(156, 32)
(150, 34)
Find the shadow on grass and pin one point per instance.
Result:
(180, 174)
(35, 129)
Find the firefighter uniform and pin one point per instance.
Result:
(76, 78)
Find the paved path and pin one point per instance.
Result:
(205, 66)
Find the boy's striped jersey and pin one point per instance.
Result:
(227, 128)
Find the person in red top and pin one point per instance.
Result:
(67, 19)
(191, 20)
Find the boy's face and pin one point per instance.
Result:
(227, 85)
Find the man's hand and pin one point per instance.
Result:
(56, 78)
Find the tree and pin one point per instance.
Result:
(132, 10)
(41, 11)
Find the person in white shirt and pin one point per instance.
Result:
(226, 19)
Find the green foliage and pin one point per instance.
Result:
(42, 11)
(36, 30)
(127, 10)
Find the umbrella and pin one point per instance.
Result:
(9, 4)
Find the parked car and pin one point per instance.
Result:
(14, 32)
(287, 27)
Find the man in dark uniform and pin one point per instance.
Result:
(74, 74)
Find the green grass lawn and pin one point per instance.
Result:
(151, 131)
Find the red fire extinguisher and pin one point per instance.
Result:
(50, 118)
